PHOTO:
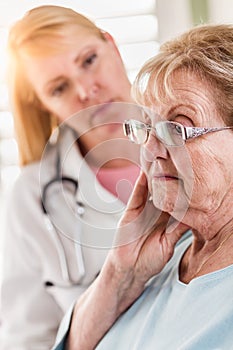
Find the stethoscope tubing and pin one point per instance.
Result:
(55, 234)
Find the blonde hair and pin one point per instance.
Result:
(205, 50)
(43, 30)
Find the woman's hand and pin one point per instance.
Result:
(142, 248)
(144, 243)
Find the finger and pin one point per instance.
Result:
(138, 205)
(140, 193)
(140, 222)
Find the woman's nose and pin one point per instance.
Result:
(86, 92)
(153, 149)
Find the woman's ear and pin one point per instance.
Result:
(108, 37)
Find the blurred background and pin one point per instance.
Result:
(139, 27)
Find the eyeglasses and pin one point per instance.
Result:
(168, 132)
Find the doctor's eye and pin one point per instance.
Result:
(59, 90)
(89, 60)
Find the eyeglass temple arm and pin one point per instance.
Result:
(191, 132)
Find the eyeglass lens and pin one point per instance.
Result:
(138, 132)
(170, 133)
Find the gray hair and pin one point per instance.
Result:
(205, 50)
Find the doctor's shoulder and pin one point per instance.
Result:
(25, 191)
(26, 182)
(29, 182)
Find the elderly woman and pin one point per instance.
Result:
(153, 293)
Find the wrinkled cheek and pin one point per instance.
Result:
(184, 166)
(188, 186)
(201, 192)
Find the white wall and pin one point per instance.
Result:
(174, 17)
(221, 11)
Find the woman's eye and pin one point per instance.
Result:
(89, 60)
(178, 129)
(59, 89)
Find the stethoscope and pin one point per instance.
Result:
(62, 182)
(59, 179)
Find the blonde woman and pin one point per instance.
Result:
(60, 63)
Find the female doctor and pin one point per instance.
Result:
(65, 204)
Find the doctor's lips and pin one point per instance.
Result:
(107, 115)
(101, 109)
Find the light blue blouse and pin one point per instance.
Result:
(177, 316)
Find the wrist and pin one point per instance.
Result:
(123, 286)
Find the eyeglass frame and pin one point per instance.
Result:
(187, 132)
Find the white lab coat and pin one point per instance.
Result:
(33, 291)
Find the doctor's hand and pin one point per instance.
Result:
(144, 243)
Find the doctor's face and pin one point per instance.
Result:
(89, 73)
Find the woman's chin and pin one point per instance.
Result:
(162, 201)
(171, 203)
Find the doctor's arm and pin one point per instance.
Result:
(141, 250)
(29, 314)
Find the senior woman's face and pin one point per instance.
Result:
(197, 175)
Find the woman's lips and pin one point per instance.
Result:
(165, 177)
